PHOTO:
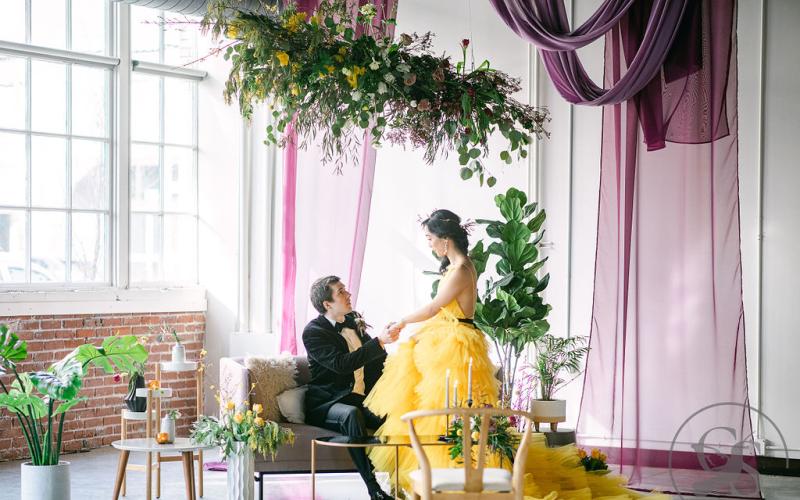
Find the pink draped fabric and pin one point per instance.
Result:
(325, 217)
(666, 383)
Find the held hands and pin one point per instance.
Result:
(390, 334)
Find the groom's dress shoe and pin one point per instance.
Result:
(380, 495)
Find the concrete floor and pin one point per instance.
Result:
(92, 476)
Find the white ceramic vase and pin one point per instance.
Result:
(168, 426)
(178, 354)
(550, 410)
(45, 482)
(241, 467)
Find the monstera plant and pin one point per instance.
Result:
(511, 310)
(40, 399)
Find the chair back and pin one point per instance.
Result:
(473, 476)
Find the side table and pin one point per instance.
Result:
(184, 446)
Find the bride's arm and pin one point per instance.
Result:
(448, 290)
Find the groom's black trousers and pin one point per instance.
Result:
(349, 417)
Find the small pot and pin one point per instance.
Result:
(45, 482)
(168, 426)
(132, 401)
(178, 354)
(551, 412)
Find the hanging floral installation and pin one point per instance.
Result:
(332, 72)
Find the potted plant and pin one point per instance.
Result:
(511, 310)
(168, 425)
(178, 350)
(135, 381)
(554, 357)
(39, 400)
(241, 432)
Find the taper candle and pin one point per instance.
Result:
(455, 394)
(447, 388)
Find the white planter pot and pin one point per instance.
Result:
(168, 426)
(45, 482)
(241, 467)
(178, 354)
(549, 411)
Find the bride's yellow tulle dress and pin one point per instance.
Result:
(414, 379)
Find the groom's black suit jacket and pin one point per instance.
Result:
(332, 365)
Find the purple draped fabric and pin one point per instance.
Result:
(665, 384)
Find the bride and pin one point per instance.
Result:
(414, 379)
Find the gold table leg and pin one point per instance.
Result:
(397, 472)
(313, 469)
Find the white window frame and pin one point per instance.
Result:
(116, 296)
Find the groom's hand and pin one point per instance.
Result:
(390, 334)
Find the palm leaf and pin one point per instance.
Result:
(62, 382)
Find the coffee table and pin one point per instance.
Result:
(368, 442)
(184, 446)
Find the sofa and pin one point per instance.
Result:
(234, 384)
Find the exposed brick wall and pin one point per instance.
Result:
(96, 422)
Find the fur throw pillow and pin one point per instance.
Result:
(271, 376)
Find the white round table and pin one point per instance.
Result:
(185, 446)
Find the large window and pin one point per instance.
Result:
(60, 89)
(163, 173)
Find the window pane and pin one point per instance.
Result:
(180, 41)
(89, 98)
(179, 184)
(89, 26)
(145, 34)
(49, 23)
(48, 172)
(89, 175)
(145, 178)
(145, 254)
(48, 241)
(178, 117)
(12, 90)
(48, 97)
(12, 22)
(12, 169)
(180, 248)
(89, 247)
(144, 108)
(12, 246)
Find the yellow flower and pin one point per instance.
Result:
(293, 23)
(257, 408)
(581, 453)
(253, 446)
(232, 32)
(295, 90)
(230, 405)
(603, 457)
(238, 418)
(203, 352)
(352, 78)
(249, 413)
(283, 57)
(338, 58)
(259, 422)
(330, 68)
(595, 453)
(476, 436)
(342, 50)
(315, 19)
(459, 432)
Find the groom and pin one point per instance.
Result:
(345, 363)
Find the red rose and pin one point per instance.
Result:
(465, 43)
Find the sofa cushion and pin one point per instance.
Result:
(269, 377)
(291, 403)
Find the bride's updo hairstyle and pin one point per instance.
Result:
(446, 224)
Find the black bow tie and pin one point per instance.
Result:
(339, 327)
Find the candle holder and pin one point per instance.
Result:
(469, 403)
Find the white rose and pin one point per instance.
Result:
(356, 95)
(403, 68)
(388, 77)
(413, 104)
(346, 71)
(374, 65)
(382, 88)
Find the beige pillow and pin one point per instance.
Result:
(271, 377)
(292, 404)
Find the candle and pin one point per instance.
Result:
(455, 394)
(447, 389)
(469, 381)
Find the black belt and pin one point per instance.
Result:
(468, 321)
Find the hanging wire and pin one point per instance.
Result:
(471, 36)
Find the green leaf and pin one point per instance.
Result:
(22, 403)
(63, 382)
(12, 350)
(474, 153)
(491, 181)
(536, 223)
(63, 407)
(466, 173)
(466, 104)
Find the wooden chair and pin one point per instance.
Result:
(474, 483)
